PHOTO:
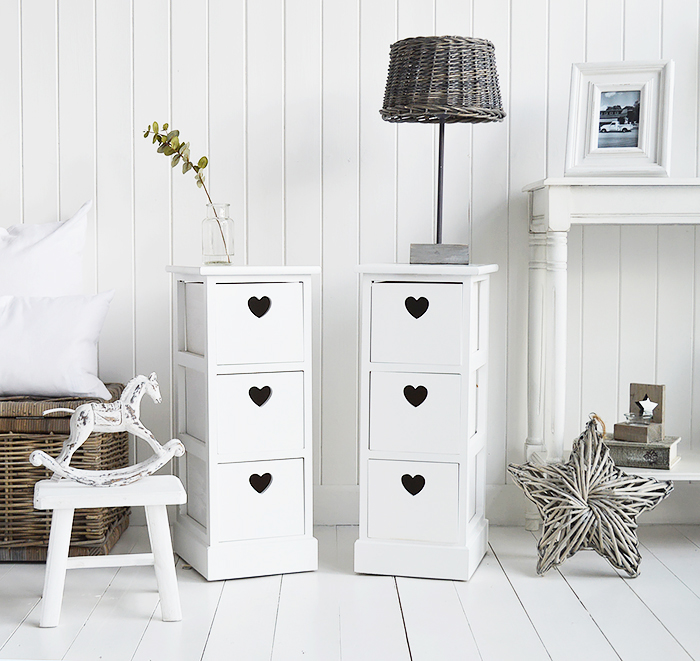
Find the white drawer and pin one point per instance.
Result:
(416, 322)
(259, 323)
(261, 499)
(414, 412)
(413, 500)
(260, 412)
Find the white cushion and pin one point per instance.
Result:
(44, 259)
(48, 346)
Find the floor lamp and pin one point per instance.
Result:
(442, 80)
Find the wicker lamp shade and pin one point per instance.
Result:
(442, 79)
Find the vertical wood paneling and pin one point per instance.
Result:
(10, 107)
(416, 151)
(676, 325)
(642, 29)
(340, 243)
(113, 185)
(680, 44)
(227, 114)
(604, 37)
(600, 321)
(566, 46)
(377, 137)
(152, 213)
(302, 132)
(490, 227)
(265, 129)
(76, 119)
(638, 310)
(39, 112)
(575, 416)
(526, 163)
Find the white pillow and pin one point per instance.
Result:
(44, 259)
(48, 346)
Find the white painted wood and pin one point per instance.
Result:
(556, 628)
(159, 534)
(421, 499)
(245, 409)
(56, 557)
(436, 626)
(400, 420)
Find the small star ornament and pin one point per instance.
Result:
(588, 503)
(646, 407)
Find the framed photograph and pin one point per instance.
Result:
(620, 119)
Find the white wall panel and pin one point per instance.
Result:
(10, 112)
(283, 97)
(39, 112)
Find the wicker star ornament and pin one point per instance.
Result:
(588, 503)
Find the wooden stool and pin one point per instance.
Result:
(64, 497)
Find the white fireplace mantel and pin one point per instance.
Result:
(553, 206)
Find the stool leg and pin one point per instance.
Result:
(164, 563)
(56, 562)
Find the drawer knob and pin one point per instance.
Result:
(414, 396)
(259, 306)
(260, 482)
(260, 395)
(416, 307)
(414, 485)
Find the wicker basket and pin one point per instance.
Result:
(25, 414)
(24, 531)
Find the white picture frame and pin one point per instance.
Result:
(634, 101)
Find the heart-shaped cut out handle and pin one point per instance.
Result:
(260, 395)
(259, 306)
(416, 307)
(415, 396)
(260, 482)
(414, 485)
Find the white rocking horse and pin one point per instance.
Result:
(107, 417)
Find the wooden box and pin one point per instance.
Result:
(638, 433)
(663, 454)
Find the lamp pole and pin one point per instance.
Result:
(441, 162)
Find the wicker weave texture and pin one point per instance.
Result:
(435, 79)
(25, 414)
(24, 531)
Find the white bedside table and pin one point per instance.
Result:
(422, 436)
(242, 371)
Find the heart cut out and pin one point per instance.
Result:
(259, 306)
(260, 395)
(416, 307)
(415, 396)
(260, 482)
(414, 485)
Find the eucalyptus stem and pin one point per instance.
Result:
(170, 145)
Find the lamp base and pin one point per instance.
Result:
(439, 253)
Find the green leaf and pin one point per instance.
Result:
(161, 148)
(186, 166)
(175, 143)
(203, 162)
(155, 127)
(176, 160)
(167, 149)
(171, 135)
(146, 133)
(155, 138)
(165, 126)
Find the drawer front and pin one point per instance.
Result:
(261, 499)
(414, 412)
(259, 323)
(260, 412)
(413, 501)
(416, 322)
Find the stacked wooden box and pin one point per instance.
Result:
(24, 531)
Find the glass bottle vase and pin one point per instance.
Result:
(217, 235)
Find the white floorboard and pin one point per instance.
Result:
(583, 610)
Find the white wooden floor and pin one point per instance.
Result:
(585, 611)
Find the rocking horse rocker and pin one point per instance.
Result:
(122, 415)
